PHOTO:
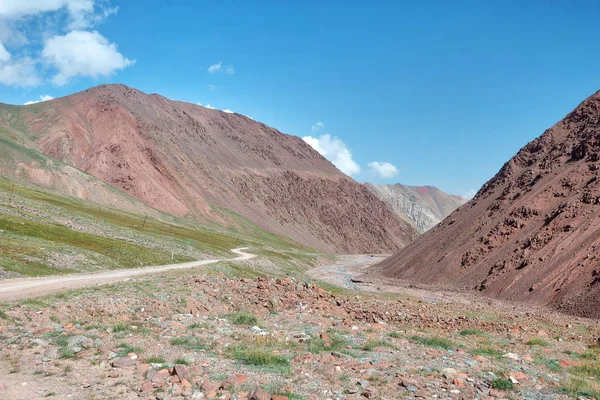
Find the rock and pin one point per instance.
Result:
(259, 394)
(511, 356)
(406, 382)
(40, 342)
(146, 387)
(123, 362)
(496, 393)
(277, 397)
(113, 373)
(80, 341)
(274, 303)
(197, 395)
(234, 381)
(51, 353)
(182, 372)
(369, 393)
(208, 386)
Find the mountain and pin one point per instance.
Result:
(421, 206)
(532, 233)
(195, 162)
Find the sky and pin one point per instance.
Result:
(418, 92)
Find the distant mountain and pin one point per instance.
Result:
(194, 162)
(532, 233)
(421, 206)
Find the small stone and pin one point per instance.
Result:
(113, 373)
(511, 356)
(123, 362)
(146, 387)
(369, 393)
(259, 394)
(496, 393)
(182, 372)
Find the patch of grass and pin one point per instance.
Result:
(577, 387)
(61, 340)
(201, 325)
(486, 351)
(336, 342)
(120, 327)
(469, 332)
(156, 360)
(244, 318)
(373, 344)
(4, 315)
(592, 370)
(537, 342)
(192, 343)
(50, 394)
(434, 341)
(552, 364)
(66, 354)
(502, 384)
(182, 361)
(54, 318)
(259, 357)
(395, 335)
(126, 349)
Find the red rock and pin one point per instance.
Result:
(146, 387)
(497, 393)
(277, 397)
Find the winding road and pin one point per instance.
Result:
(22, 288)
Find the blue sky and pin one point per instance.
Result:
(445, 92)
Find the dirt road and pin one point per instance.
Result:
(21, 288)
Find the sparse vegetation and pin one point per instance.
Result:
(502, 384)
(259, 357)
(191, 343)
(537, 342)
(244, 318)
(373, 344)
(156, 360)
(468, 332)
(434, 341)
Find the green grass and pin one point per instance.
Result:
(126, 349)
(336, 342)
(502, 384)
(468, 332)
(587, 369)
(577, 387)
(4, 315)
(552, 364)
(373, 344)
(259, 357)
(244, 318)
(156, 360)
(486, 351)
(191, 343)
(395, 335)
(182, 361)
(66, 353)
(537, 342)
(434, 341)
(120, 327)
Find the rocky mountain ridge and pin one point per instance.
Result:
(192, 161)
(532, 233)
(422, 206)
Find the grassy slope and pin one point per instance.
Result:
(40, 229)
(44, 231)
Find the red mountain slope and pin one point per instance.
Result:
(532, 233)
(186, 159)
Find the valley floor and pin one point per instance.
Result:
(225, 332)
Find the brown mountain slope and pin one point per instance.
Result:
(532, 233)
(186, 159)
(421, 206)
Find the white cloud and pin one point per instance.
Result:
(228, 111)
(335, 151)
(220, 67)
(44, 97)
(82, 53)
(206, 106)
(383, 169)
(5, 56)
(212, 88)
(47, 35)
(317, 127)
(469, 194)
(19, 73)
